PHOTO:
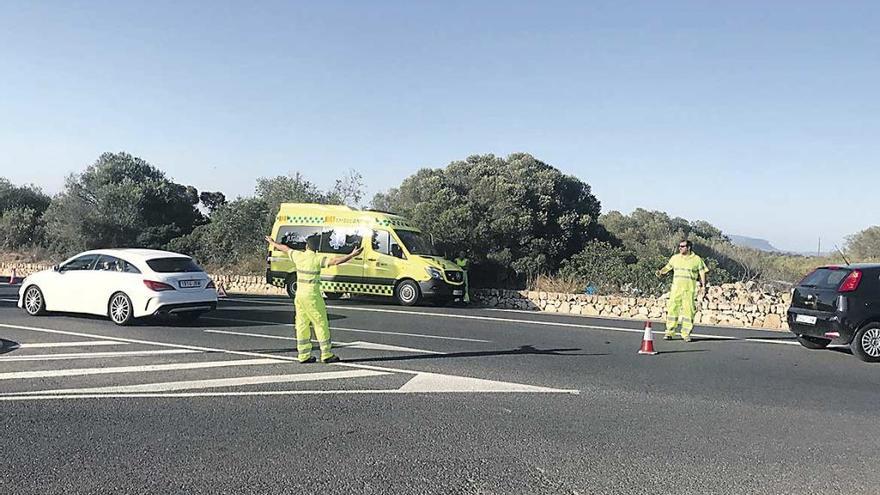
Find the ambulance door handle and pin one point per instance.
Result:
(372, 259)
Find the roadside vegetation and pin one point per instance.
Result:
(522, 222)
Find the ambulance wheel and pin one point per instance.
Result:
(332, 296)
(291, 288)
(407, 293)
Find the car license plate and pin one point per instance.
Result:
(187, 284)
(809, 320)
(458, 293)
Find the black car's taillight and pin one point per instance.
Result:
(851, 282)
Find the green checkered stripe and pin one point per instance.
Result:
(377, 290)
(392, 222)
(305, 220)
(278, 282)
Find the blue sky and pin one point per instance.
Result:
(755, 116)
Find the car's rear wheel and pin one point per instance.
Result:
(866, 343)
(407, 293)
(34, 302)
(291, 287)
(813, 342)
(120, 309)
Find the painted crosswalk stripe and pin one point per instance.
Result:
(94, 355)
(36, 345)
(212, 383)
(19, 375)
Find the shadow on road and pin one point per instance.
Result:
(521, 351)
(8, 346)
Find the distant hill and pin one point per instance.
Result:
(754, 243)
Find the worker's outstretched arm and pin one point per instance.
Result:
(342, 259)
(277, 245)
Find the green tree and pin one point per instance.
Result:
(517, 215)
(234, 234)
(865, 244)
(29, 196)
(20, 227)
(120, 201)
(212, 200)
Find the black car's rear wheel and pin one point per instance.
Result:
(866, 343)
(813, 342)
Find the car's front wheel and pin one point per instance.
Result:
(813, 342)
(34, 302)
(120, 309)
(866, 343)
(291, 287)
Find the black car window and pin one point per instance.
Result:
(81, 263)
(825, 278)
(174, 265)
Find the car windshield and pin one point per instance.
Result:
(825, 278)
(174, 265)
(416, 243)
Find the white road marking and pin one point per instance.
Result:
(212, 383)
(436, 383)
(19, 375)
(556, 324)
(92, 355)
(357, 330)
(347, 345)
(259, 393)
(87, 343)
(9, 300)
(147, 342)
(263, 360)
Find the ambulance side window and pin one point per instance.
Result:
(382, 242)
(340, 240)
(294, 236)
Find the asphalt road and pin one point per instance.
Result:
(427, 400)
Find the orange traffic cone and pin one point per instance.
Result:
(221, 291)
(647, 341)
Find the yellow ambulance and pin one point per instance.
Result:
(398, 260)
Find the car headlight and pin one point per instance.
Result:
(434, 273)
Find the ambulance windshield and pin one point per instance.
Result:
(416, 243)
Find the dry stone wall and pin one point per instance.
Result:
(738, 305)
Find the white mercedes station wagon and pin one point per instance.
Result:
(123, 284)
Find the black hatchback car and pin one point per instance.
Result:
(840, 305)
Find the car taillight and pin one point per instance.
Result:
(157, 286)
(210, 285)
(851, 282)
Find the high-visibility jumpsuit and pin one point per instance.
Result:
(309, 305)
(464, 263)
(686, 271)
